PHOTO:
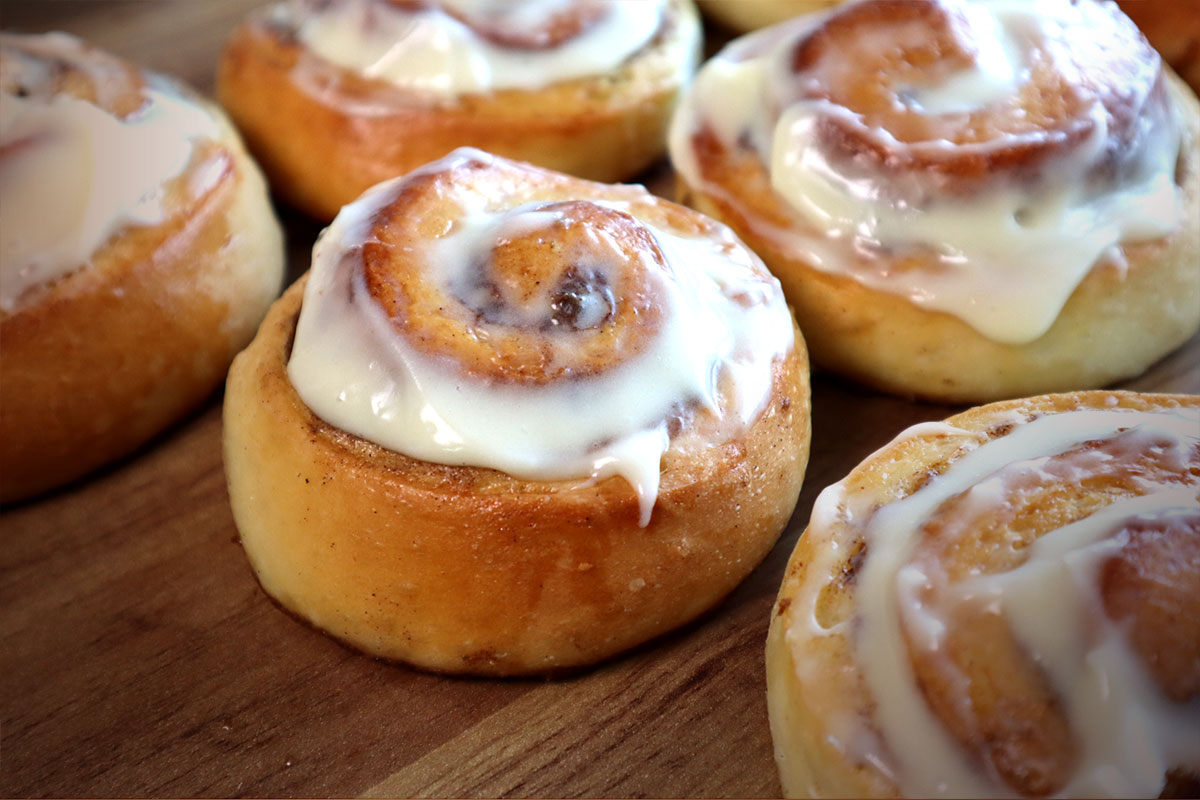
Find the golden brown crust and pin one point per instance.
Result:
(320, 153)
(1113, 326)
(468, 570)
(1013, 719)
(98, 361)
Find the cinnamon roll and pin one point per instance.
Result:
(963, 201)
(1006, 603)
(138, 253)
(515, 422)
(334, 96)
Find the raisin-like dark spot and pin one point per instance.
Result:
(567, 303)
(578, 299)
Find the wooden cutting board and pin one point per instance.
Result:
(139, 657)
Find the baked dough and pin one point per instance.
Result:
(954, 231)
(581, 428)
(1002, 604)
(139, 254)
(325, 131)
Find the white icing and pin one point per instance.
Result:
(726, 323)
(431, 51)
(74, 175)
(995, 74)
(1128, 731)
(1006, 261)
(1107, 692)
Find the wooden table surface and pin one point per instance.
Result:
(139, 657)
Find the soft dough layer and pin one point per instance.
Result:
(325, 133)
(1003, 603)
(101, 358)
(461, 568)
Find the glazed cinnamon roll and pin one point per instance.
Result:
(334, 97)
(138, 253)
(515, 422)
(963, 201)
(1006, 603)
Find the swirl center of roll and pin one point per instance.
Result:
(543, 292)
(917, 77)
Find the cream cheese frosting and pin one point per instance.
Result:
(725, 325)
(1006, 259)
(430, 50)
(72, 175)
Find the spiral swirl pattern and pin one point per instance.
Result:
(576, 269)
(1008, 101)
(944, 151)
(484, 312)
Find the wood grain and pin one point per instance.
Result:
(138, 657)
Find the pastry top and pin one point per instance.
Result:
(484, 312)
(1019, 587)
(440, 50)
(981, 148)
(89, 144)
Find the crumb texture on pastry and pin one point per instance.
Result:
(336, 97)
(139, 252)
(963, 201)
(1003, 603)
(514, 422)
